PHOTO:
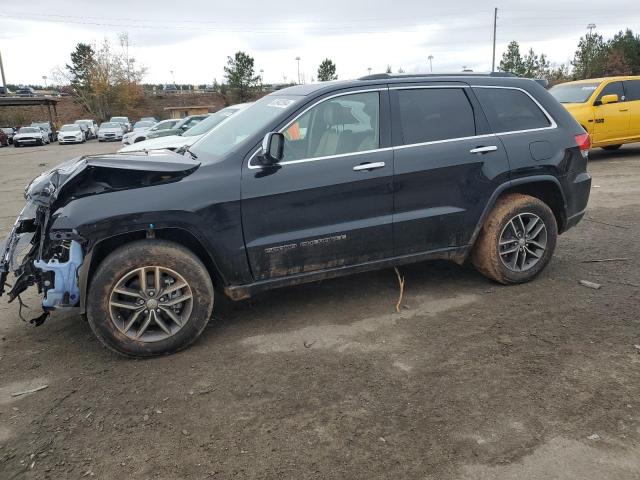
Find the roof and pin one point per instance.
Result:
(602, 79)
(490, 77)
(27, 101)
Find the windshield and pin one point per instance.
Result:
(29, 130)
(37, 124)
(70, 128)
(244, 124)
(139, 125)
(573, 92)
(111, 125)
(119, 119)
(83, 122)
(164, 125)
(211, 121)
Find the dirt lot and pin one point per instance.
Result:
(470, 381)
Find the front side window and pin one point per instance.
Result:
(341, 125)
(432, 114)
(511, 110)
(613, 88)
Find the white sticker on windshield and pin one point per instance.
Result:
(280, 103)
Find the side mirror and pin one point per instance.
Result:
(272, 148)
(612, 98)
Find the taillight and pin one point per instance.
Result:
(584, 143)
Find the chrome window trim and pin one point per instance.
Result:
(412, 145)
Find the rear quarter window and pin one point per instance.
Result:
(632, 90)
(510, 110)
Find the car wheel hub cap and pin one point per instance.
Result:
(150, 304)
(523, 242)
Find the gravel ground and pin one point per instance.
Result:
(471, 380)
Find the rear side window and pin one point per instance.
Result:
(510, 110)
(431, 114)
(632, 90)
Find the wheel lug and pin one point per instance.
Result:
(140, 302)
(151, 293)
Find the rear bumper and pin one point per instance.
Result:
(577, 199)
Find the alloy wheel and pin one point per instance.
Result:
(523, 242)
(150, 303)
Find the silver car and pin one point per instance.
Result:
(110, 131)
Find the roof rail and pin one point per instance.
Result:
(382, 76)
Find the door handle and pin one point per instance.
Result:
(624, 110)
(491, 148)
(368, 166)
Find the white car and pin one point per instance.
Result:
(189, 137)
(71, 133)
(124, 121)
(30, 136)
(138, 128)
(140, 136)
(91, 125)
(110, 131)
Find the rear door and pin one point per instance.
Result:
(632, 96)
(447, 165)
(611, 121)
(329, 202)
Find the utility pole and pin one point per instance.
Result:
(587, 69)
(298, 60)
(4, 82)
(430, 57)
(495, 23)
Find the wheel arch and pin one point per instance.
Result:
(544, 187)
(101, 249)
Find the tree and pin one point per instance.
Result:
(388, 69)
(616, 63)
(104, 82)
(512, 60)
(530, 64)
(590, 57)
(627, 45)
(327, 71)
(240, 75)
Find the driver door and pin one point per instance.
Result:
(329, 202)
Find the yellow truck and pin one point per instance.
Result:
(607, 108)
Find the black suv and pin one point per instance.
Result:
(308, 183)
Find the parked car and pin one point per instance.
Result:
(182, 126)
(607, 108)
(9, 132)
(47, 127)
(92, 127)
(141, 135)
(30, 136)
(72, 133)
(4, 139)
(189, 137)
(149, 119)
(110, 131)
(138, 127)
(26, 92)
(169, 88)
(308, 183)
(124, 121)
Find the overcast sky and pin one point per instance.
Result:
(194, 38)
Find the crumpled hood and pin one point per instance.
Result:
(169, 142)
(45, 188)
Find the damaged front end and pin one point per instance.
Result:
(50, 265)
(40, 254)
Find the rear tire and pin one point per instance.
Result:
(16, 144)
(516, 241)
(611, 147)
(170, 326)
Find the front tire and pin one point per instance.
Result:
(148, 298)
(517, 240)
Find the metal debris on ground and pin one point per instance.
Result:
(588, 284)
(27, 392)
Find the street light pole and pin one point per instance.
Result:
(4, 82)
(430, 57)
(495, 24)
(298, 60)
(44, 77)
